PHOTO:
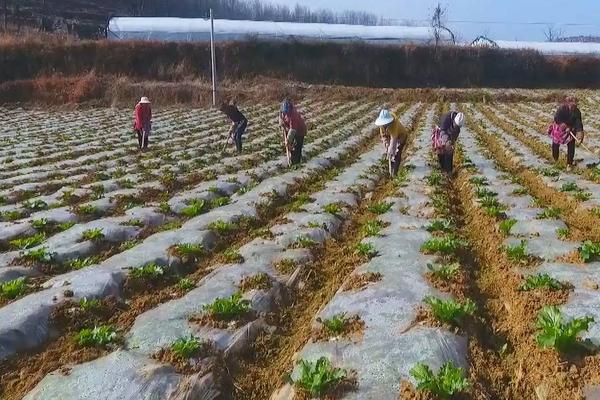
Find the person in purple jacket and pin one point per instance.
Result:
(447, 135)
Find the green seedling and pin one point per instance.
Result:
(304, 242)
(40, 255)
(194, 208)
(589, 251)
(227, 309)
(372, 228)
(169, 226)
(89, 305)
(520, 191)
(299, 201)
(164, 207)
(219, 202)
(35, 205)
(482, 192)
(285, 266)
(28, 242)
(549, 213)
(11, 215)
(366, 249)
(233, 256)
(93, 235)
(478, 181)
(335, 324)
(448, 244)
(148, 271)
(185, 284)
(553, 333)
(449, 381)
(440, 225)
(314, 224)
(333, 208)
(80, 263)
(39, 223)
(129, 244)
(222, 227)
(550, 172)
(449, 311)
(260, 281)
(563, 233)
(582, 196)
(185, 348)
(380, 208)
(517, 252)
(569, 187)
(87, 209)
(435, 178)
(65, 226)
(445, 272)
(189, 251)
(133, 222)
(99, 336)
(317, 378)
(506, 225)
(533, 282)
(12, 289)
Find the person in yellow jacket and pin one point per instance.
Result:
(393, 136)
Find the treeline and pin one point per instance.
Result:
(248, 9)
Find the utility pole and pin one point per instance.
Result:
(212, 56)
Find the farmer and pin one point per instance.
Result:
(294, 128)
(393, 137)
(567, 127)
(143, 122)
(444, 138)
(238, 123)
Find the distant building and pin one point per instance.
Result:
(198, 29)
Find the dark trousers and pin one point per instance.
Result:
(446, 161)
(394, 162)
(238, 132)
(142, 136)
(570, 151)
(296, 156)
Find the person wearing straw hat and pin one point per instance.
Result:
(143, 122)
(567, 128)
(393, 137)
(294, 129)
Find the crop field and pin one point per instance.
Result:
(193, 272)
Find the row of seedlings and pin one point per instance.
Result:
(227, 310)
(107, 278)
(539, 337)
(387, 324)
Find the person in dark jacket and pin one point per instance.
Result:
(566, 129)
(449, 130)
(239, 123)
(143, 122)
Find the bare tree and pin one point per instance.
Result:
(553, 34)
(438, 20)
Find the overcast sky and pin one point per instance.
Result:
(503, 19)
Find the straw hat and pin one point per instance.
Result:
(385, 117)
(144, 100)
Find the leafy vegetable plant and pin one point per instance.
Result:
(227, 309)
(562, 233)
(366, 249)
(94, 235)
(186, 347)
(13, 289)
(186, 284)
(89, 305)
(549, 213)
(333, 208)
(556, 333)
(148, 271)
(335, 324)
(448, 244)
(28, 242)
(450, 380)
(319, 377)
(444, 272)
(39, 223)
(533, 282)
(222, 227)
(98, 336)
(372, 228)
(506, 225)
(194, 208)
(440, 225)
(380, 208)
(589, 251)
(80, 263)
(449, 311)
(40, 255)
(189, 251)
(517, 252)
(219, 202)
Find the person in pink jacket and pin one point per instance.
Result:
(143, 122)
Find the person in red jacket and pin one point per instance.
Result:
(295, 130)
(143, 122)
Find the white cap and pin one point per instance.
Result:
(144, 100)
(459, 120)
(385, 117)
